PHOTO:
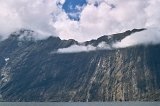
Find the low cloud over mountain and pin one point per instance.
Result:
(96, 17)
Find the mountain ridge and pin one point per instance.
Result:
(30, 72)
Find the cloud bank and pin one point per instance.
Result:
(27, 14)
(96, 18)
(83, 48)
(101, 17)
(146, 37)
(77, 49)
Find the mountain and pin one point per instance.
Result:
(30, 71)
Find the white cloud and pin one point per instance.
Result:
(103, 45)
(29, 14)
(9, 19)
(83, 48)
(110, 16)
(152, 10)
(146, 37)
(76, 49)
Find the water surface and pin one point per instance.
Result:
(80, 104)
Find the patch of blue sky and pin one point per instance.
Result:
(73, 8)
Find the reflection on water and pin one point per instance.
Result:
(82, 104)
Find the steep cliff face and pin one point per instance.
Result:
(126, 74)
(30, 71)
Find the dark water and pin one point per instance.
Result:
(83, 104)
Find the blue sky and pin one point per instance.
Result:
(70, 7)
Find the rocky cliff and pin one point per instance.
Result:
(30, 71)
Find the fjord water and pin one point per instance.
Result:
(80, 104)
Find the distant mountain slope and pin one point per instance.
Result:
(31, 72)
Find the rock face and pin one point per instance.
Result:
(30, 71)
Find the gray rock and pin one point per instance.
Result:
(33, 73)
